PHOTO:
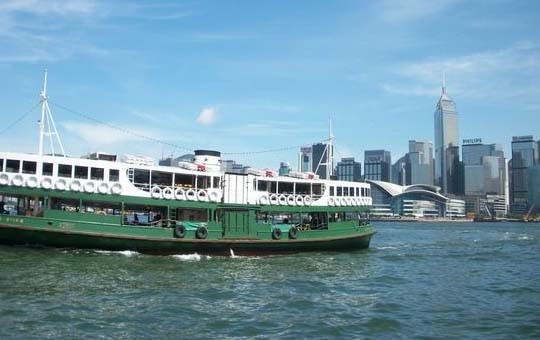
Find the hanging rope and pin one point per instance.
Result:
(18, 120)
(155, 140)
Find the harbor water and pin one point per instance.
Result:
(417, 280)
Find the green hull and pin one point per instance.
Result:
(22, 235)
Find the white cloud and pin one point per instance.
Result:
(507, 72)
(99, 134)
(394, 11)
(49, 7)
(207, 116)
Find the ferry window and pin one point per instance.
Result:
(114, 175)
(97, 174)
(331, 191)
(273, 187)
(64, 170)
(101, 208)
(13, 165)
(192, 215)
(185, 181)
(141, 176)
(339, 191)
(303, 188)
(81, 172)
(65, 204)
(357, 191)
(2, 164)
(29, 167)
(47, 169)
(216, 182)
(162, 178)
(203, 182)
(262, 185)
(286, 188)
(345, 191)
(317, 189)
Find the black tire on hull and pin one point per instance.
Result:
(276, 234)
(293, 233)
(180, 231)
(201, 233)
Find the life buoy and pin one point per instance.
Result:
(46, 183)
(299, 200)
(4, 179)
(191, 195)
(32, 182)
(180, 194)
(263, 200)
(202, 195)
(337, 201)
(116, 189)
(276, 234)
(331, 200)
(293, 233)
(180, 231)
(213, 196)
(75, 185)
(291, 200)
(103, 188)
(308, 201)
(155, 192)
(273, 199)
(168, 193)
(89, 186)
(201, 233)
(61, 184)
(17, 180)
(282, 200)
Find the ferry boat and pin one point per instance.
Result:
(102, 201)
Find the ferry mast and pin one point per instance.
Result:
(47, 123)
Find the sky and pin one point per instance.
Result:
(258, 79)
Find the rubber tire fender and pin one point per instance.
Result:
(293, 233)
(180, 231)
(276, 234)
(201, 233)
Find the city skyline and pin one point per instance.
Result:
(248, 78)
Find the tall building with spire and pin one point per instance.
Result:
(447, 165)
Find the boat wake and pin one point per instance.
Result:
(191, 257)
(126, 253)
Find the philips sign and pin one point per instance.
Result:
(472, 141)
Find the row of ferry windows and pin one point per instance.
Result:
(308, 188)
(145, 178)
(62, 170)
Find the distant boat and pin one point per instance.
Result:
(105, 202)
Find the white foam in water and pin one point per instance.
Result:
(127, 253)
(191, 257)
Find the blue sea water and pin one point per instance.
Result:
(417, 280)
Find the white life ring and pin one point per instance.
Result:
(168, 193)
(337, 201)
(191, 195)
(116, 189)
(180, 194)
(202, 195)
(32, 182)
(75, 185)
(331, 200)
(358, 201)
(61, 184)
(291, 200)
(264, 200)
(282, 200)
(46, 183)
(155, 192)
(17, 180)
(103, 188)
(89, 187)
(299, 200)
(273, 199)
(308, 201)
(4, 179)
(213, 196)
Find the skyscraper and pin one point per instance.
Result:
(421, 162)
(349, 170)
(524, 156)
(320, 158)
(305, 159)
(377, 165)
(447, 167)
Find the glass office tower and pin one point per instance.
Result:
(377, 165)
(349, 170)
(524, 156)
(446, 136)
